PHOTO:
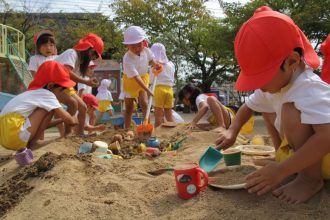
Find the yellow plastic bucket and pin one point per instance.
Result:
(248, 126)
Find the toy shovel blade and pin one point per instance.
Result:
(210, 159)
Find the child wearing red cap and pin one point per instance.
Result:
(92, 105)
(207, 107)
(293, 100)
(45, 49)
(27, 115)
(325, 49)
(77, 60)
(135, 67)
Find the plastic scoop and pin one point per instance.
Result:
(146, 127)
(178, 144)
(210, 159)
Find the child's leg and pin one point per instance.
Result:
(72, 107)
(219, 111)
(39, 119)
(269, 119)
(309, 181)
(143, 101)
(82, 110)
(129, 105)
(99, 117)
(159, 116)
(110, 113)
(168, 114)
(92, 118)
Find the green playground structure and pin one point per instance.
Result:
(14, 73)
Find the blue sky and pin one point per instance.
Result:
(90, 5)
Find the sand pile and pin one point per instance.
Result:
(62, 185)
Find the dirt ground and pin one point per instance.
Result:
(62, 184)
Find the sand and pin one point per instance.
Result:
(63, 185)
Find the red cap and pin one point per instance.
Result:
(90, 40)
(51, 72)
(90, 99)
(263, 43)
(325, 49)
(40, 33)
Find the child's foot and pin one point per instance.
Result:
(299, 190)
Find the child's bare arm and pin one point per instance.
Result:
(312, 151)
(227, 138)
(92, 128)
(65, 116)
(74, 77)
(141, 83)
(201, 112)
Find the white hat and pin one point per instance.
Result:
(134, 35)
(159, 51)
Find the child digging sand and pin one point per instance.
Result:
(135, 67)
(276, 62)
(206, 106)
(27, 115)
(92, 104)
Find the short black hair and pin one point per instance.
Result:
(44, 39)
(193, 91)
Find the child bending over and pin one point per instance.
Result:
(206, 106)
(27, 115)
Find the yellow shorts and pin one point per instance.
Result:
(104, 106)
(70, 91)
(284, 152)
(10, 128)
(163, 97)
(213, 121)
(131, 87)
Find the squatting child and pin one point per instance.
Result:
(278, 64)
(27, 115)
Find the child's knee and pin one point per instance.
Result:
(211, 100)
(71, 104)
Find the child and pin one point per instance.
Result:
(206, 106)
(325, 49)
(92, 104)
(163, 97)
(27, 115)
(83, 88)
(90, 47)
(135, 68)
(45, 49)
(294, 101)
(104, 98)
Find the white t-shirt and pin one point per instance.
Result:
(37, 60)
(134, 65)
(86, 89)
(70, 58)
(103, 96)
(26, 102)
(166, 77)
(310, 95)
(203, 98)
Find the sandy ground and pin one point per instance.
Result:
(63, 185)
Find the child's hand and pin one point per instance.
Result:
(149, 93)
(102, 127)
(226, 139)
(264, 179)
(93, 82)
(192, 125)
